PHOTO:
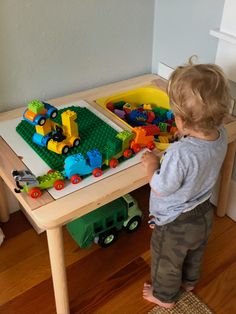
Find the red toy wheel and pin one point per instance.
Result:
(50, 171)
(35, 192)
(113, 163)
(75, 179)
(97, 172)
(127, 153)
(59, 185)
(136, 148)
(151, 145)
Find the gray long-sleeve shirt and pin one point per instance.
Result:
(188, 173)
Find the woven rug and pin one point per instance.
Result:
(188, 304)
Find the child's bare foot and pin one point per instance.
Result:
(147, 295)
(187, 287)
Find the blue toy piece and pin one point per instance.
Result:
(41, 140)
(52, 112)
(38, 112)
(137, 117)
(170, 115)
(77, 165)
(156, 121)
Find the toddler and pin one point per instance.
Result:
(182, 183)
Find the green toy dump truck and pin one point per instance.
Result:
(102, 225)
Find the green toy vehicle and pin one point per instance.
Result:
(102, 225)
(27, 182)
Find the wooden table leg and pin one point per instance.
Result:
(227, 169)
(4, 210)
(56, 253)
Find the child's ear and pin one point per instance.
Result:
(180, 123)
(179, 120)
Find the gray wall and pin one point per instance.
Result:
(182, 29)
(50, 48)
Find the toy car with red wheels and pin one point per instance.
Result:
(79, 165)
(27, 182)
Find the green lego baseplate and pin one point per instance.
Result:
(93, 132)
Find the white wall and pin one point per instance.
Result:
(181, 29)
(226, 50)
(50, 48)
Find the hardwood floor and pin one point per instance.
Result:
(105, 281)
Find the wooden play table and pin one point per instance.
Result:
(52, 214)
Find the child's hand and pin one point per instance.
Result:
(151, 163)
(150, 160)
(151, 222)
(152, 226)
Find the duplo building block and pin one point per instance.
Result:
(36, 106)
(113, 146)
(70, 126)
(93, 131)
(44, 129)
(144, 98)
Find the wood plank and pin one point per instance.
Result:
(16, 225)
(28, 251)
(220, 226)
(220, 254)
(85, 273)
(108, 280)
(116, 293)
(25, 262)
(220, 292)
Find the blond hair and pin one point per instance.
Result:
(199, 94)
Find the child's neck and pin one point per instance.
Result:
(212, 136)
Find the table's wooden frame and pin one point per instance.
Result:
(53, 214)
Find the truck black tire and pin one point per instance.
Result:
(107, 238)
(133, 224)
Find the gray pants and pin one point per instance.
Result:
(177, 249)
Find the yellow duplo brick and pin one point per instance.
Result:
(44, 129)
(163, 139)
(70, 127)
(147, 106)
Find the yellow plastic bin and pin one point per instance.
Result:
(143, 95)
